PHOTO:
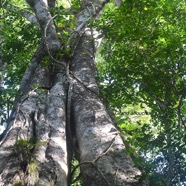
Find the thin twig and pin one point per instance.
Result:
(48, 50)
(107, 149)
(93, 161)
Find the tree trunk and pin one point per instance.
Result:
(101, 149)
(59, 112)
(39, 117)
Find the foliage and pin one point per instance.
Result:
(18, 183)
(141, 69)
(144, 64)
(76, 174)
(25, 147)
(17, 38)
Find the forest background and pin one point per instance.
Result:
(141, 70)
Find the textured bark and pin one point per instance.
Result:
(40, 114)
(41, 8)
(62, 108)
(102, 152)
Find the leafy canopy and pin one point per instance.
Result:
(141, 69)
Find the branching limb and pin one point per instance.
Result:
(36, 59)
(47, 44)
(28, 15)
(45, 20)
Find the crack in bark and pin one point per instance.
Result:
(34, 119)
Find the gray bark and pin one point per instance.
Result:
(62, 109)
(42, 11)
(102, 152)
(40, 115)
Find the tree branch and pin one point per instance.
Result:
(46, 23)
(28, 15)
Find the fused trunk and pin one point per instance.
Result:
(101, 150)
(34, 149)
(59, 113)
